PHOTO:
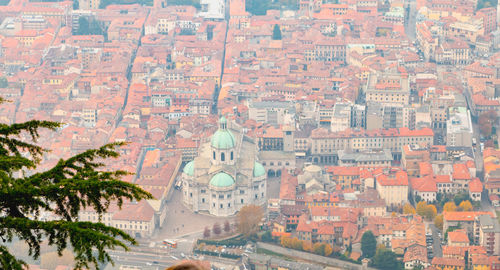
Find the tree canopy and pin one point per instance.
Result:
(70, 186)
(276, 32)
(449, 207)
(249, 218)
(427, 211)
(368, 244)
(386, 259)
(408, 209)
(89, 27)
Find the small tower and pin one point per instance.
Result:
(223, 144)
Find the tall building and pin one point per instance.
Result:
(226, 175)
(459, 127)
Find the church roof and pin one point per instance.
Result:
(189, 168)
(223, 139)
(258, 169)
(222, 179)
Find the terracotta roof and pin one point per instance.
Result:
(458, 236)
(476, 186)
(463, 216)
(437, 261)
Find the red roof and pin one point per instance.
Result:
(475, 186)
(458, 236)
(424, 184)
(460, 172)
(399, 179)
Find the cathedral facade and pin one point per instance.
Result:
(225, 176)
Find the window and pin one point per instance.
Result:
(203, 200)
(203, 191)
(222, 157)
(213, 204)
(214, 155)
(232, 155)
(221, 205)
(242, 192)
(213, 196)
(229, 205)
(241, 200)
(229, 196)
(221, 196)
(191, 195)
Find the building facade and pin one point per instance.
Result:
(225, 176)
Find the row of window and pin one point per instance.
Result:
(223, 156)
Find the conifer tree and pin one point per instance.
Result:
(70, 186)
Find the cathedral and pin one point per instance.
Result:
(225, 176)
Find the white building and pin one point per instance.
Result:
(459, 127)
(341, 118)
(226, 175)
(212, 9)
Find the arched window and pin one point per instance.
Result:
(222, 157)
(214, 155)
(232, 156)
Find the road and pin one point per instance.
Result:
(142, 259)
(411, 20)
(437, 248)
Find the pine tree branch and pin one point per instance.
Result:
(74, 184)
(8, 261)
(84, 237)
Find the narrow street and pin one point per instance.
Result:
(411, 20)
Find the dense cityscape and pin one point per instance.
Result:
(283, 134)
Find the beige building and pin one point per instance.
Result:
(388, 89)
(136, 218)
(226, 175)
(393, 188)
(325, 144)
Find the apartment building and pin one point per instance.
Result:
(388, 89)
(487, 234)
(459, 127)
(325, 144)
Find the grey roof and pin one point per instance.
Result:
(383, 155)
(271, 104)
(489, 224)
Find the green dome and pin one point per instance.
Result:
(258, 169)
(223, 139)
(189, 168)
(222, 179)
(223, 120)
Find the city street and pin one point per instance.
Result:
(437, 247)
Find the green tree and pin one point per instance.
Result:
(276, 32)
(368, 244)
(89, 27)
(64, 190)
(266, 237)
(386, 259)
